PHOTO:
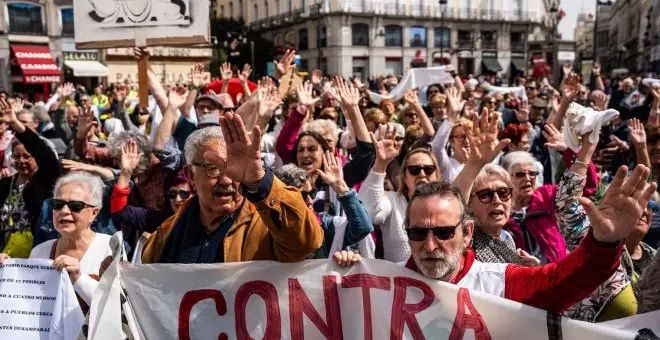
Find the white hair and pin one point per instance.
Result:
(292, 175)
(647, 290)
(517, 157)
(323, 127)
(493, 170)
(201, 137)
(94, 185)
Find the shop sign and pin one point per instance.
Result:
(89, 56)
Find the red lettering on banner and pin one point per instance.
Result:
(468, 321)
(366, 282)
(299, 304)
(268, 293)
(190, 299)
(404, 313)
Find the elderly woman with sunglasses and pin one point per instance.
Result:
(79, 250)
(536, 210)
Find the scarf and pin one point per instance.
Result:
(493, 250)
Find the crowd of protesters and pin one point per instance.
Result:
(466, 182)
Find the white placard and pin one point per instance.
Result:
(120, 23)
(37, 302)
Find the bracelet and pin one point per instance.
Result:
(586, 165)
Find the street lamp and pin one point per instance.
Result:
(442, 3)
(598, 4)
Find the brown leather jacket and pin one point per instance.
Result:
(255, 235)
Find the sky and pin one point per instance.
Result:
(572, 9)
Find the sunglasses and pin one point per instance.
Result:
(309, 194)
(416, 169)
(184, 194)
(522, 174)
(74, 206)
(399, 138)
(441, 233)
(486, 196)
(530, 88)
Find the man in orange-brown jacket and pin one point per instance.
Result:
(242, 212)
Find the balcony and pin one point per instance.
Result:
(394, 9)
(488, 44)
(465, 44)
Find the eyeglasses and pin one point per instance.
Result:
(309, 194)
(460, 137)
(443, 233)
(18, 157)
(486, 196)
(210, 170)
(74, 206)
(416, 169)
(522, 174)
(184, 194)
(530, 88)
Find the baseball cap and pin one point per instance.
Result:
(208, 120)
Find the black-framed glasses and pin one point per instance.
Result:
(416, 169)
(486, 196)
(442, 233)
(184, 194)
(74, 206)
(210, 170)
(309, 194)
(522, 174)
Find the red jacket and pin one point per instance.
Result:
(553, 287)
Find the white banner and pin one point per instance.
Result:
(37, 302)
(317, 300)
(415, 78)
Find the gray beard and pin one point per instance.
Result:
(440, 270)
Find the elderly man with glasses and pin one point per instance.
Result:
(241, 211)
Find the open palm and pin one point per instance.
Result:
(637, 133)
(386, 148)
(484, 146)
(245, 166)
(623, 205)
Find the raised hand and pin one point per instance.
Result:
(567, 68)
(556, 101)
(268, 102)
(522, 114)
(410, 98)
(596, 69)
(599, 100)
(283, 66)
(141, 52)
(555, 138)
(65, 90)
(470, 109)
(130, 157)
(72, 165)
(176, 99)
(453, 103)
(243, 150)
(637, 133)
(333, 175)
(484, 146)
(348, 94)
(7, 114)
(571, 86)
(623, 205)
(387, 149)
(120, 93)
(226, 72)
(316, 77)
(85, 120)
(305, 96)
(198, 79)
(244, 75)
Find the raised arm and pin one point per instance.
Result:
(105, 173)
(638, 137)
(155, 87)
(598, 80)
(244, 77)
(289, 134)
(411, 99)
(439, 143)
(484, 147)
(164, 131)
(570, 91)
(198, 81)
(65, 92)
(121, 92)
(285, 64)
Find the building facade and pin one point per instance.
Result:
(654, 37)
(367, 37)
(628, 23)
(584, 36)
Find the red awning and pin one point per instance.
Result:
(37, 64)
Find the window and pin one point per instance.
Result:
(417, 36)
(302, 39)
(222, 11)
(266, 9)
(489, 40)
(255, 14)
(360, 34)
(25, 18)
(322, 37)
(67, 22)
(517, 41)
(393, 36)
(464, 39)
(441, 37)
(231, 9)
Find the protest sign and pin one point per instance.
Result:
(37, 302)
(316, 299)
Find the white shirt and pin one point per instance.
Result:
(90, 263)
